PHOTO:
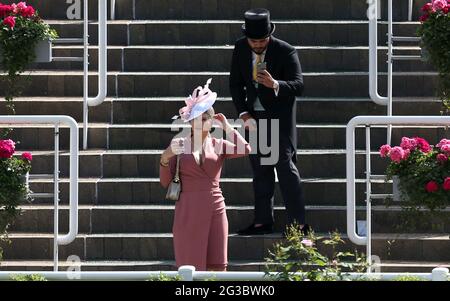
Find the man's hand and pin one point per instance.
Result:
(249, 122)
(265, 79)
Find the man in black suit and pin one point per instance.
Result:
(265, 79)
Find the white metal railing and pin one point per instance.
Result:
(373, 15)
(113, 9)
(102, 59)
(102, 64)
(73, 186)
(369, 121)
(188, 273)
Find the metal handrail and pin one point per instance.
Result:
(188, 273)
(373, 15)
(369, 121)
(102, 64)
(410, 9)
(73, 186)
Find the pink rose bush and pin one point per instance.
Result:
(13, 187)
(21, 29)
(8, 149)
(9, 13)
(423, 170)
(434, 32)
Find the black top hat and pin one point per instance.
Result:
(257, 24)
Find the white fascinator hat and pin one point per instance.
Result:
(200, 101)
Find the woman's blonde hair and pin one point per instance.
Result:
(210, 112)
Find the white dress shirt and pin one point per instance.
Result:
(257, 106)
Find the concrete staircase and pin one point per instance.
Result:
(159, 50)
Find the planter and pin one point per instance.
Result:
(398, 195)
(425, 54)
(43, 51)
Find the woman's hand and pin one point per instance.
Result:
(223, 122)
(175, 148)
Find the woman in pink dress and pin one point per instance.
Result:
(200, 229)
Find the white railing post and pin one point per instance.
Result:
(368, 201)
(390, 63)
(102, 64)
(372, 14)
(410, 9)
(113, 9)
(85, 72)
(440, 274)
(73, 185)
(351, 187)
(186, 272)
(56, 201)
(74, 146)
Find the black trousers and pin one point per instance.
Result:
(288, 177)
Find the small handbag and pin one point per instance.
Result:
(174, 189)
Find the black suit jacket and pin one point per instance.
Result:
(284, 66)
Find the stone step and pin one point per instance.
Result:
(236, 191)
(137, 163)
(309, 110)
(159, 219)
(230, 9)
(226, 32)
(159, 110)
(158, 136)
(164, 84)
(71, 106)
(56, 9)
(218, 58)
(169, 265)
(38, 246)
(284, 9)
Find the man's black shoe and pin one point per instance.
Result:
(252, 230)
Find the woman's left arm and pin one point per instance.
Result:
(237, 147)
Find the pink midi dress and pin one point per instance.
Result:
(200, 228)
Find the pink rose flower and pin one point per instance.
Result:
(439, 4)
(27, 12)
(446, 185)
(408, 143)
(432, 186)
(423, 145)
(427, 7)
(14, 8)
(424, 18)
(7, 148)
(443, 142)
(445, 148)
(27, 156)
(442, 158)
(5, 10)
(384, 150)
(10, 21)
(21, 5)
(406, 154)
(397, 154)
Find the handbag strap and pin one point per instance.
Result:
(177, 171)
